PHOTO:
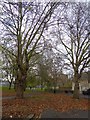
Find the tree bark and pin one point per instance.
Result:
(20, 86)
(10, 83)
(76, 87)
(54, 91)
(19, 91)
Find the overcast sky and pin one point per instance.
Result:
(50, 0)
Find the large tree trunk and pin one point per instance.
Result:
(76, 87)
(19, 91)
(20, 86)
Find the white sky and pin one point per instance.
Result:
(50, 0)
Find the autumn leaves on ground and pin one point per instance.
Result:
(38, 102)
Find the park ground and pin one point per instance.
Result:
(35, 102)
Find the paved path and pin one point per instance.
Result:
(71, 114)
(81, 95)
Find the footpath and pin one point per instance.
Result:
(71, 114)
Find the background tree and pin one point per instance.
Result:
(73, 32)
(8, 70)
(55, 64)
(42, 72)
(32, 79)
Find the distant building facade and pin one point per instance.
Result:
(84, 82)
(62, 80)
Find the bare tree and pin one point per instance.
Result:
(73, 29)
(23, 24)
(8, 73)
(54, 66)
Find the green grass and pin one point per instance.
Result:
(28, 91)
(6, 89)
(12, 90)
(39, 89)
(33, 90)
(0, 88)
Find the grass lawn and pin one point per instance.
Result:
(0, 88)
(5, 88)
(6, 92)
